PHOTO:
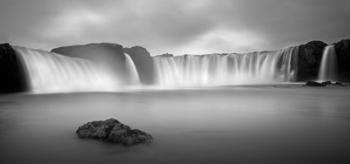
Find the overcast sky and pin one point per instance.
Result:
(174, 26)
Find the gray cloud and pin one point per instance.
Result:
(182, 26)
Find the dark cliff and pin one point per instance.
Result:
(309, 59)
(342, 49)
(13, 73)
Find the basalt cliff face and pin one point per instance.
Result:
(309, 59)
(310, 56)
(342, 49)
(13, 73)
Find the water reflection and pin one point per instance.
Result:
(225, 125)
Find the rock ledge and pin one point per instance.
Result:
(322, 84)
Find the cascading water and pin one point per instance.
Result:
(328, 67)
(225, 69)
(134, 76)
(50, 72)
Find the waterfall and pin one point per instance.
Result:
(226, 69)
(50, 72)
(134, 76)
(328, 68)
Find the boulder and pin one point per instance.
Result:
(113, 131)
(342, 49)
(309, 59)
(12, 71)
(144, 63)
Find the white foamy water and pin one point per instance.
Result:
(273, 125)
(226, 69)
(134, 76)
(328, 68)
(51, 72)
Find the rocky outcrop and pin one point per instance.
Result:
(310, 56)
(144, 63)
(108, 55)
(342, 49)
(12, 71)
(113, 131)
(309, 60)
(165, 55)
(322, 84)
(315, 84)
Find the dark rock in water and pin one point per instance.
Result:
(325, 83)
(107, 55)
(12, 71)
(315, 84)
(333, 83)
(342, 49)
(339, 83)
(112, 130)
(309, 59)
(144, 63)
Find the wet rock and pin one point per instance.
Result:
(338, 83)
(325, 83)
(113, 131)
(315, 84)
(12, 71)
